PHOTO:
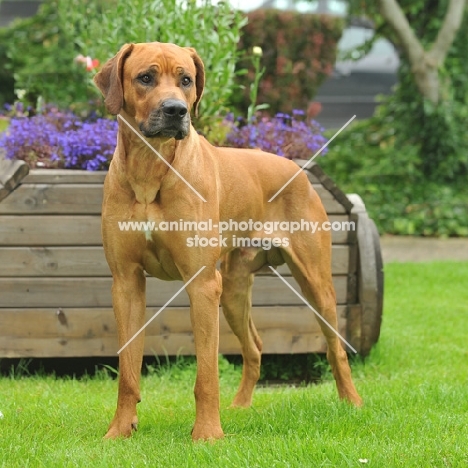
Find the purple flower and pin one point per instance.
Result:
(298, 112)
(293, 137)
(60, 139)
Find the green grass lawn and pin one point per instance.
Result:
(414, 385)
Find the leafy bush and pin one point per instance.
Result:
(213, 30)
(39, 54)
(410, 161)
(41, 50)
(7, 82)
(60, 139)
(291, 136)
(438, 131)
(370, 160)
(299, 52)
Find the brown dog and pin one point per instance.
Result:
(153, 87)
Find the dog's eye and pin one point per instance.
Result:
(145, 78)
(186, 81)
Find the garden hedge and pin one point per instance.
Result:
(298, 53)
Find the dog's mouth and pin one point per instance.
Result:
(169, 120)
(168, 132)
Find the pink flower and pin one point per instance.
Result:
(80, 59)
(90, 63)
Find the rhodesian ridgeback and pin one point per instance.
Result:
(153, 88)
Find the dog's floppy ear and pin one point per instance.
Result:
(200, 78)
(109, 80)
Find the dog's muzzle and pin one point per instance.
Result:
(170, 120)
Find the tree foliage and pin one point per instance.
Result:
(409, 162)
(40, 51)
(432, 121)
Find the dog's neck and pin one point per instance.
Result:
(140, 165)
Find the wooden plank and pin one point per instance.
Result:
(340, 259)
(371, 282)
(317, 176)
(331, 205)
(12, 171)
(353, 288)
(330, 185)
(312, 177)
(90, 261)
(56, 347)
(354, 326)
(53, 261)
(4, 192)
(79, 198)
(352, 234)
(47, 230)
(67, 176)
(92, 332)
(96, 292)
(64, 176)
(11, 174)
(353, 265)
(272, 291)
(54, 199)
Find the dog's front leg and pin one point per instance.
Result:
(128, 296)
(204, 293)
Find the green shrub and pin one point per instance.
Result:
(39, 53)
(410, 161)
(41, 50)
(299, 52)
(7, 82)
(437, 130)
(213, 30)
(369, 159)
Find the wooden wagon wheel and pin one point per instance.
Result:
(370, 276)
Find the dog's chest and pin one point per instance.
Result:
(149, 217)
(151, 221)
(145, 194)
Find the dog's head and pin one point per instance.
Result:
(157, 84)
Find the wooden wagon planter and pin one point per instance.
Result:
(55, 285)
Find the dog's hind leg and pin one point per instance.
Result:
(236, 301)
(311, 267)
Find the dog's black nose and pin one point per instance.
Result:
(174, 108)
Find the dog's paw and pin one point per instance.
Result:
(121, 429)
(207, 432)
(242, 400)
(357, 401)
(353, 399)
